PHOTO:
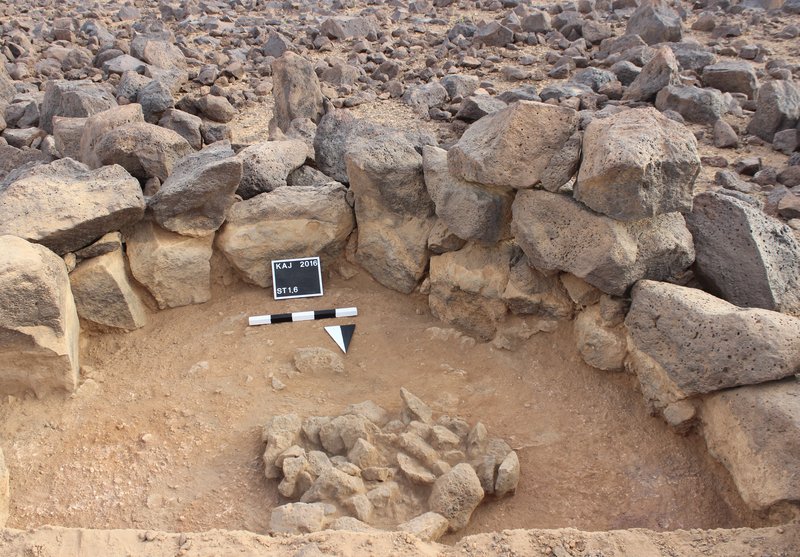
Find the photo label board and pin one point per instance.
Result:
(296, 278)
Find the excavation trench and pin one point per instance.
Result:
(164, 432)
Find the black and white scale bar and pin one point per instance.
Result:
(302, 316)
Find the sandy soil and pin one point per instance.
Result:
(164, 432)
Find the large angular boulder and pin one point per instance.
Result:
(559, 233)
(77, 99)
(175, 269)
(755, 432)
(97, 125)
(748, 258)
(662, 70)
(731, 76)
(467, 286)
(455, 495)
(38, 322)
(512, 147)
(471, 211)
(637, 164)
(393, 210)
(145, 150)
(267, 165)
(700, 106)
(66, 206)
(701, 344)
(287, 222)
(296, 90)
(347, 27)
(103, 294)
(777, 108)
(339, 131)
(194, 199)
(655, 22)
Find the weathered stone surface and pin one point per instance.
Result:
(512, 147)
(280, 433)
(67, 134)
(215, 108)
(194, 199)
(298, 518)
(655, 22)
(662, 70)
(429, 526)
(701, 106)
(393, 210)
(144, 150)
(175, 269)
(424, 97)
(73, 98)
(97, 125)
(637, 164)
(750, 259)
(106, 244)
(777, 108)
(703, 344)
(731, 76)
(476, 107)
(103, 295)
(455, 495)
(347, 27)
(184, 124)
(600, 345)
(66, 206)
(317, 360)
(266, 165)
(557, 232)
(564, 164)
(334, 486)
(467, 288)
(414, 471)
(471, 211)
(530, 292)
(414, 409)
(287, 222)
(755, 432)
(155, 98)
(339, 132)
(7, 89)
(507, 475)
(38, 322)
(296, 90)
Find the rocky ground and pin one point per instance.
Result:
(586, 187)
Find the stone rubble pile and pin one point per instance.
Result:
(367, 469)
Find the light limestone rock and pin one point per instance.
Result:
(285, 223)
(175, 269)
(103, 295)
(38, 322)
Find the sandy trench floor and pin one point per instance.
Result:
(164, 431)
